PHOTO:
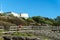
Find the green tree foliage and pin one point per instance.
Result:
(57, 19)
(44, 20)
(38, 19)
(30, 20)
(2, 14)
(49, 21)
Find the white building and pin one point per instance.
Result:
(24, 15)
(13, 13)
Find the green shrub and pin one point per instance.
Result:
(22, 34)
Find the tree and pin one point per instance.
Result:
(2, 14)
(57, 19)
(30, 20)
(38, 19)
(50, 21)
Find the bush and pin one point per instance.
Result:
(21, 34)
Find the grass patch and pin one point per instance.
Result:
(1, 38)
(22, 34)
(1, 30)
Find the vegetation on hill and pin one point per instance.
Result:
(8, 20)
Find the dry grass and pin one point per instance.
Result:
(1, 38)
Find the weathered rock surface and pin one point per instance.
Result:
(20, 38)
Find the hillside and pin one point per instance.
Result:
(36, 20)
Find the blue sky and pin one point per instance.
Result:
(45, 8)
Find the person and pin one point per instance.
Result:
(19, 27)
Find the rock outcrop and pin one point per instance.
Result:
(20, 38)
